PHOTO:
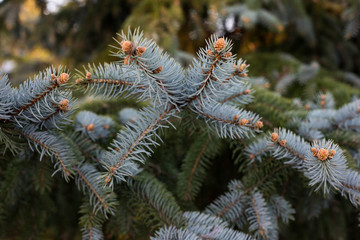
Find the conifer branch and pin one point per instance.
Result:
(120, 161)
(234, 96)
(197, 160)
(92, 189)
(261, 228)
(44, 84)
(154, 193)
(48, 148)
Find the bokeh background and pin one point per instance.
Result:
(37, 33)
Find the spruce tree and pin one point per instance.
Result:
(164, 168)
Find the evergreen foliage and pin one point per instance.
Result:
(116, 167)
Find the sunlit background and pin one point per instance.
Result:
(37, 33)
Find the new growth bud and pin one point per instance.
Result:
(64, 105)
(140, 51)
(283, 142)
(322, 154)
(158, 70)
(88, 75)
(242, 122)
(90, 127)
(219, 45)
(126, 46)
(259, 124)
(274, 137)
(63, 78)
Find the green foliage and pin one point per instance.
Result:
(182, 191)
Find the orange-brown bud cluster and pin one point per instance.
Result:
(274, 137)
(322, 103)
(88, 75)
(219, 44)
(140, 51)
(243, 122)
(314, 151)
(127, 60)
(258, 125)
(236, 117)
(131, 49)
(62, 79)
(158, 70)
(126, 46)
(64, 105)
(228, 54)
(240, 70)
(247, 91)
(323, 154)
(90, 127)
(242, 67)
(209, 52)
(358, 109)
(283, 142)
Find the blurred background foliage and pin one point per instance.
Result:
(295, 47)
(38, 33)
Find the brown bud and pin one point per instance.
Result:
(247, 91)
(88, 75)
(243, 75)
(63, 105)
(236, 117)
(53, 77)
(274, 137)
(322, 154)
(252, 156)
(283, 142)
(266, 85)
(259, 124)
(90, 127)
(322, 103)
(158, 70)
(209, 52)
(358, 109)
(332, 153)
(106, 126)
(314, 151)
(243, 122)
(126, 60)
(108, 179)
(242, 67)
(78, 81)
(234, 66)
(140, 51)
(219, 45)
(126, 46)
(322, 96)
(63, 78)
(227, 55)
(307, 106)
